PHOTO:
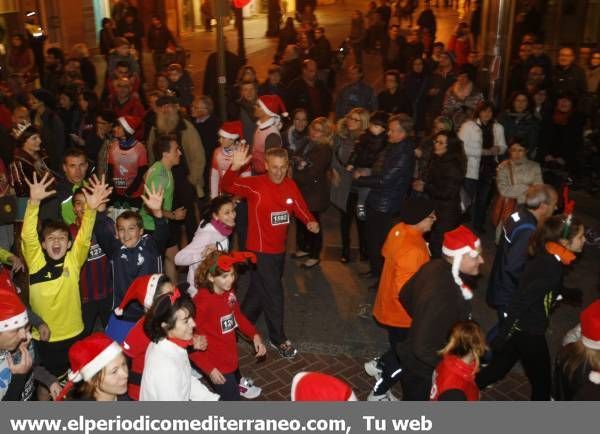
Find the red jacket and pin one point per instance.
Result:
(135, 346)
(217, 317)
(270, 208)
(454, 374)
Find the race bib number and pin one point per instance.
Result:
(280, 218)
(120, 182)
(228, 323)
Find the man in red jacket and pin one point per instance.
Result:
(272, 199)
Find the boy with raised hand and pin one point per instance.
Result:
(54, 264)
(132, 254)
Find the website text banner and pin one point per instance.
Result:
(282, 417)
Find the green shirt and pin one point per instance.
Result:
(158, 175)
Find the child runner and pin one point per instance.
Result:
(213, 234)
(218, 314)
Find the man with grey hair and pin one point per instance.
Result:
(511, 255)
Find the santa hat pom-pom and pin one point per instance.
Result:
(118, 311)
(594, 377)
(466, 293)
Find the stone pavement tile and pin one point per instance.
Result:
(275, 375)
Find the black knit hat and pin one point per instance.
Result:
(416, 209)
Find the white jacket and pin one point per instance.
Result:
(470, 134)
(168, 376)
(193, 254)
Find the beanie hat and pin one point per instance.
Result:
(13, 314)
(130, 123)
(379, 118)
(415, 210)
(590, 332)
(88, 357)
(232, 130)
(315, 386)
(457, 243)
(141, 290)
(272, 105)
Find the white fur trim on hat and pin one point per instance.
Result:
(228, 135)
(594, 377)
(466, 292)
(151, 290)
(126, 125)
(594, 345)
(100, 361)
(463, 250)
(14, 322)
(299, 376)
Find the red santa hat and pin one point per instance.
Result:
(315, 386)
(590, 332)
(272, 105)
(141, 290)
(130, 123)
(232, 130)
(457, 243)
(88, 357)
(13, 314)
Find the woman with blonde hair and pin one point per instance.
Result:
(310, 167)
(454, 377)
(349, 129)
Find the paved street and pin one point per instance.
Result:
(323, 304)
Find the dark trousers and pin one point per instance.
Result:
(307, 241)
(378, 226)
(346, 219)
(241, 223)
(265, 294)
(532, 351)
(230, 390)
(54, 356)
(479, 190)
(390, 364)
(94, 309)
(415, 387)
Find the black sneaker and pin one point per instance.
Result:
(285, 349)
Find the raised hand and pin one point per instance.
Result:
(17, 264)
(37, 190)
(241, 156)
(97, 192)
(153, 199)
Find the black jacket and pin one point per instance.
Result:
(367, 149)
(399, 102)
(434, 302)
(510, 259)
(443, 180)
(390, 186)
(299, 97)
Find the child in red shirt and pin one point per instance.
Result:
(218, 314)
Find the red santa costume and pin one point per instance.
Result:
(221, 160)
(453, 374)
(315, 386)
(267, 135)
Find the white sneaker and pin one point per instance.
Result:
(372, 369)
(388, 396)
(247, 388)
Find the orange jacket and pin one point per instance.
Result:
(405, 251)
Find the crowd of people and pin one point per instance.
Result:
(113, 187)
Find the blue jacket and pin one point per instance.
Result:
(127, 264)
(390, 186)
(510, 258)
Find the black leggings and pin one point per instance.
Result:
(346, 219)
(532, 351)
(389, 362)
(230, 390)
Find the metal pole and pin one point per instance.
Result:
(239, 24)
(501, 51)
(221, 68)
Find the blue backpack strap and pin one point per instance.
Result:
(521, 228)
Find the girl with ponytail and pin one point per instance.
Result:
(217, 224)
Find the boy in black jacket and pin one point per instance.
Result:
(132, 254)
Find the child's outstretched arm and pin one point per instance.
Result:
(96, 195)
(30, 242)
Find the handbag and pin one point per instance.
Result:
(502, 207)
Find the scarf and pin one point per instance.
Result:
(221, 227)
(180, 342)
(561, 253)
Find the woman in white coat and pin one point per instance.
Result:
(484, 143)
(213, 234)
(167, 372)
